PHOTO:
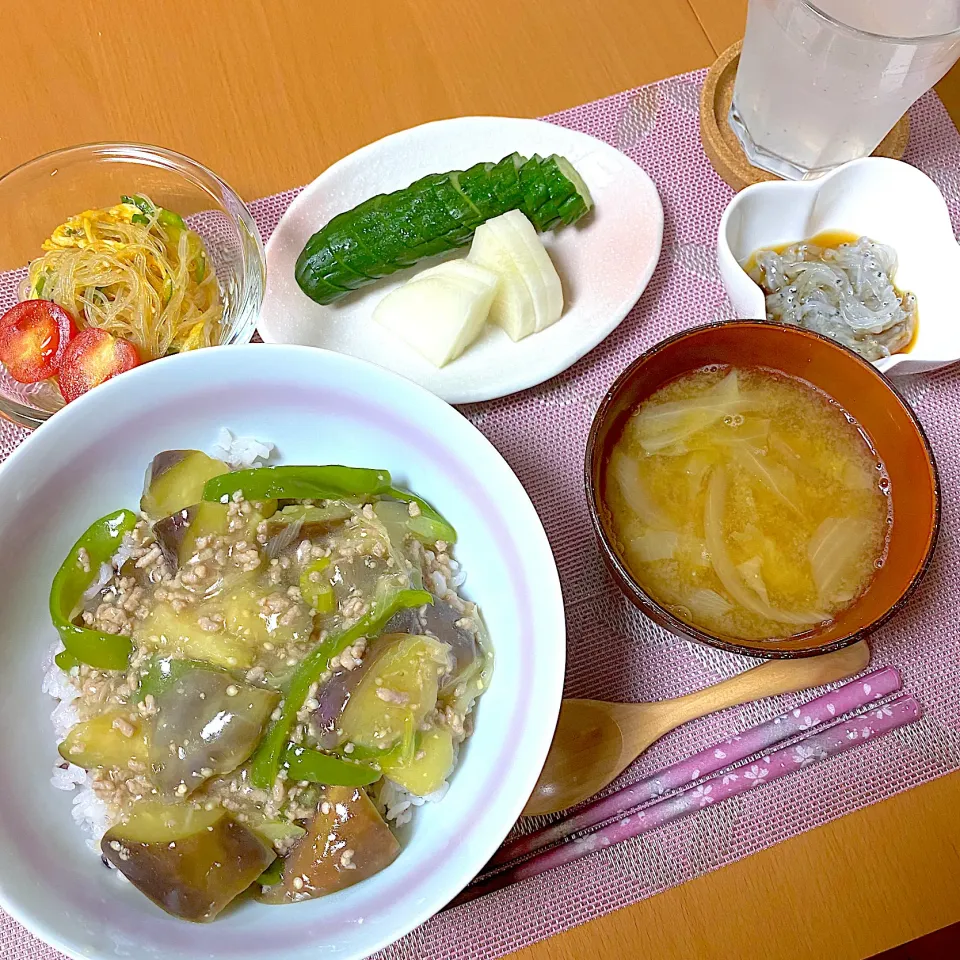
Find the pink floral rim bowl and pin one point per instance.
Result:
(316, 407)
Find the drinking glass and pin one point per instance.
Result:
(822, 83)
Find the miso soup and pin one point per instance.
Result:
(748, 502)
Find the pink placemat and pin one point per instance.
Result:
(614, 652)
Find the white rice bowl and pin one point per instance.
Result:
(316, 407)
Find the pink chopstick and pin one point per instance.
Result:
(829, 706)
(830, 742)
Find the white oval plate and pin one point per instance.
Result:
(605, 262)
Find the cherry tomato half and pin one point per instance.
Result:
(33, 337)
(92, 357)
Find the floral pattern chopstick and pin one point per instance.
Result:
(615, 818)
(814, 748)
(852, 695)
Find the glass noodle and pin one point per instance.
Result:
(134, 270)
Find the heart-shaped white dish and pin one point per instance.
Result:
(887, 200)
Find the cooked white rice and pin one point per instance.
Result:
(241, 453)
(398, 803)
(89, 812)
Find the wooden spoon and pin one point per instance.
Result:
(596, 741)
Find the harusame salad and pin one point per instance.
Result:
(115, 287)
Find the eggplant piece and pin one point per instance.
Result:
(244, 617)
(427, 770)
(398, 689)
(171, 533)
(207, 724)
(178, 533)
(278, 831)
(189, 861)
(175, 481)
(314, 522)
(347, 841)
(102, 741)
(470, 675)
(335, 693)
(245, 627)
(440, 620)
(407, 620)
(332, 698)
(180, 636)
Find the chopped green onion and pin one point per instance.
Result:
(141, 203)
(302, 763)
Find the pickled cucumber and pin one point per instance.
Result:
(436, 213)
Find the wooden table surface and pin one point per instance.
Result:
(268, 94)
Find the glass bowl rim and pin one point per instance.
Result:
(152, 154)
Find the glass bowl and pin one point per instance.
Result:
(41, 194)
(862, 391)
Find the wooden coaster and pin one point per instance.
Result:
(723, 148)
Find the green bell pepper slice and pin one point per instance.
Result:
(66, 661)
(331, 482)
(430, 525)
(170, 219)
(105, 651)
(302, 763)
(273, 874)
(267, 757)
